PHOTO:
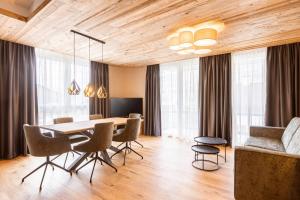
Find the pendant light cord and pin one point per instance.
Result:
(74, 54)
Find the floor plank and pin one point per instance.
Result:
(164, 173)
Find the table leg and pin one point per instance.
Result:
(203, 161)
(106, 157)
(78, 161)
(225, 152)
(115, 149)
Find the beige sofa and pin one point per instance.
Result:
(268, 165)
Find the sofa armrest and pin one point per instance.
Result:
(263, 174)
(266, 131)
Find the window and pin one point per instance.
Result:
(179, 98)
(249, 92)
(54, 75)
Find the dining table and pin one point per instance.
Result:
(82, 126)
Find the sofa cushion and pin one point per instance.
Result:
(294, 146)
(265, 143)
(290, 131)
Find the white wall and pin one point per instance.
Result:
(127, 82)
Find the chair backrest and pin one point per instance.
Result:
(96, 116)
(62, 120)
(290, 131)
(102, 136)
(135, 115)
(294, 146)
(132, 129)
(34, 140)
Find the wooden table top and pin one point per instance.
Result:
(80, 126)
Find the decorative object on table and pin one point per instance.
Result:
(195, 39)
(90, 89)
(74, 88)
(205, 149)
(211, 141)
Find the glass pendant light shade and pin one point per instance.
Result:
(102, 93)
(74, 88)
(205, 37)
(89, 91)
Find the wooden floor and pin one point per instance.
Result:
(164, 173)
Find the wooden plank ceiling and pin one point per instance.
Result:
(135, 31)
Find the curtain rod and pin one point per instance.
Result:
(84, 35)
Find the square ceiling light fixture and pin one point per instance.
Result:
(22, 10)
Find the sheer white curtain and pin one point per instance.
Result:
(249, 92)
(179, 98)
(54, 75)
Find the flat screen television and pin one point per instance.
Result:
(121, 107)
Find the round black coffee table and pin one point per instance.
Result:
(205, 149)
(212, 141)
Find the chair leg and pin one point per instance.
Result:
(48, 162)
(43, 176)
(120, 144)
(118, 152)
(56, 157)
(136, 152)
(101, 160)
(33, 171)
(76, 153)
(51, 163)
(93, 168)
(125, 153)
(85, 165)
(67, 159)
(139, 143)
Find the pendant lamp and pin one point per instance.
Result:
(102, 93)
(89, 90)
(74, 88)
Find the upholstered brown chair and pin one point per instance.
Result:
(100, 141)
(134, 115)
(96, 116)
(127, 135)
(74, 138)
(40, 145)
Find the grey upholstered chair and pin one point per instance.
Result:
(134, 115)
(74, 138)
(127, 135)
(100, 141)
(96, 116)
(40, 145)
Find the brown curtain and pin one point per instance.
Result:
(153, 114)
(283, 84)
(18, 96)
(215, 96)
(99, 76)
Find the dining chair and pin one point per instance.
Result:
(134, 115)
(40, 145)
(95, 116)
(127, 135)
(100, 141)
(74, 137)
